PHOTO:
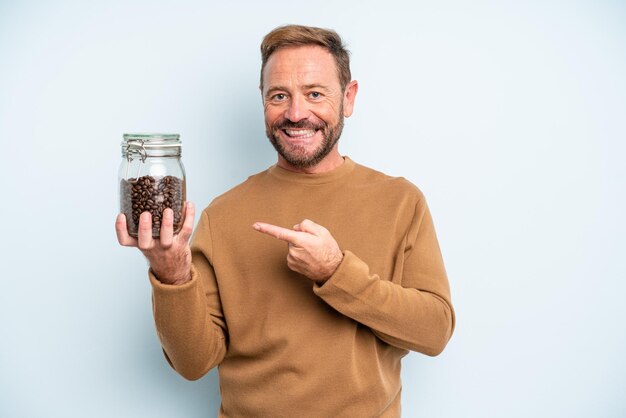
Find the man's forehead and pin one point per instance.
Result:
(305, 63)
(305, 74)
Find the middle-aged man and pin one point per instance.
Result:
(308, 282)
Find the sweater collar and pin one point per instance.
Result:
(317, 178)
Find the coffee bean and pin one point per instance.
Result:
(150, 194)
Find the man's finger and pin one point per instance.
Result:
(145, 240)
(310, 227)
(281, 233)
(122, 233)
(167, 228)
(187, 228)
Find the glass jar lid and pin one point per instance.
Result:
(151, 145)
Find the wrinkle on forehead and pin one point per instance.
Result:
(302, 81)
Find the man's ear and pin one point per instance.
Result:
(349, 95)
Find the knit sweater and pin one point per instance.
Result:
(284, 345)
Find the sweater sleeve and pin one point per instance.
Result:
(189, 318)
(415, 314)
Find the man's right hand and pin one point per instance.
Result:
(170, 255)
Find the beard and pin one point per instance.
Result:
(297, 155)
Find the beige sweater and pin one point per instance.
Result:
(285, 346)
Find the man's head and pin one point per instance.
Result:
(306, 89)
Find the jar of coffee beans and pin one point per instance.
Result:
(152, 178)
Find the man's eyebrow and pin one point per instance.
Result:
(273, 89)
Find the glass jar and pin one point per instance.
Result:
(152, 178)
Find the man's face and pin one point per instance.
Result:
(304, 104)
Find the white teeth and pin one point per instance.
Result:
(300, 133)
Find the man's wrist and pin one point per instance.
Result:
(337, 263)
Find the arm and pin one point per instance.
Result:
(415, 314)
(188, 317)
(186, 304)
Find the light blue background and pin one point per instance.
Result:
(510, 116)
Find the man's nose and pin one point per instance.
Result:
(297, 109)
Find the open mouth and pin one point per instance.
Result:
(299, 133)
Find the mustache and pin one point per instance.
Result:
(301, 124)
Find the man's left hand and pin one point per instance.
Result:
(313, 251)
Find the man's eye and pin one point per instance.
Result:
(279, 97)
(315, 95)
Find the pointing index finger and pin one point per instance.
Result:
(278, 232)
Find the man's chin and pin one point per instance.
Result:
(301, 155)
(301, 159)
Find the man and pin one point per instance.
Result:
(309, 320)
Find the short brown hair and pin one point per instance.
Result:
(297, 35)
